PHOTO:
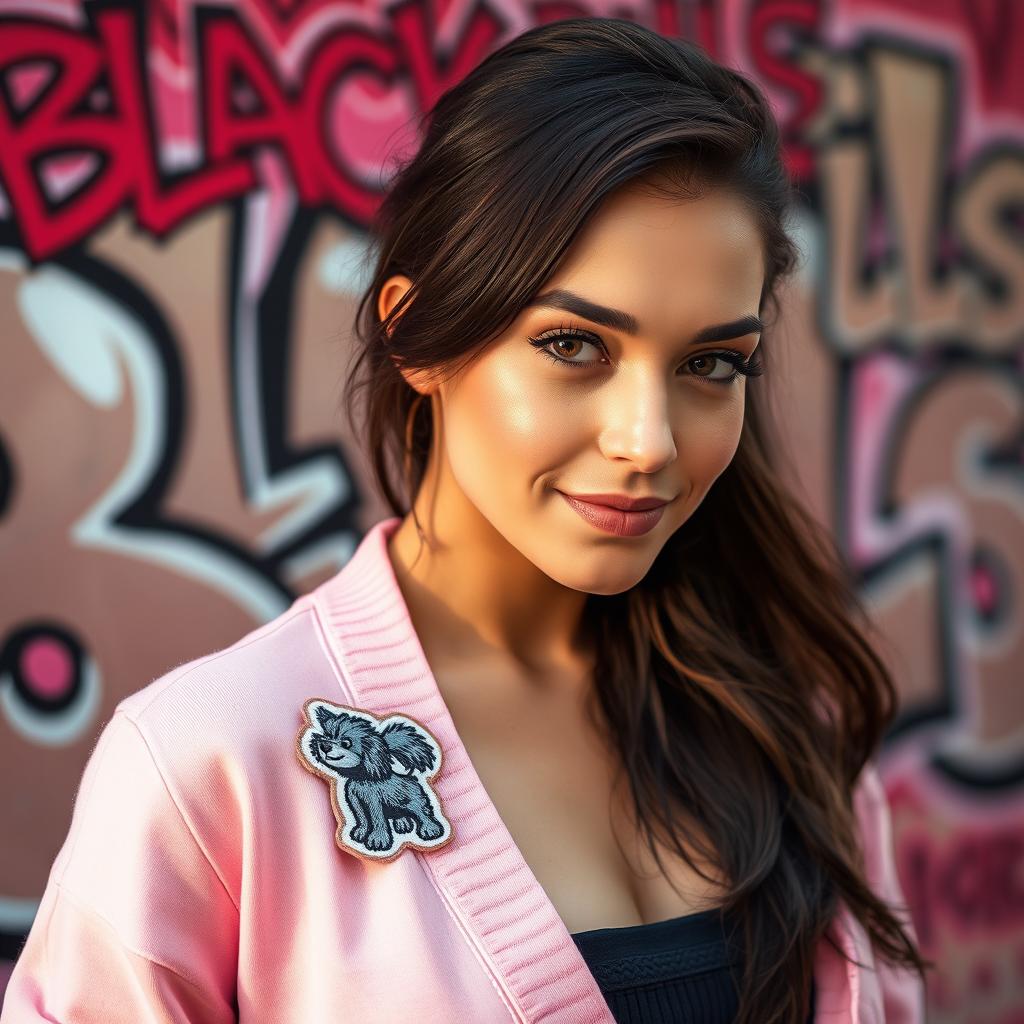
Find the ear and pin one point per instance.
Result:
(390, 295)
(325, 717)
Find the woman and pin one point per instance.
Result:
(595, 711)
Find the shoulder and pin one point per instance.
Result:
(214, 736)
(219, 713)
(240, 674)
(147, 890)
(225, 707)
(263, 676)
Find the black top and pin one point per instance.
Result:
(667, 972)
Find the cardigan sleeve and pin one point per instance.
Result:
(903, 994)
(134, 923)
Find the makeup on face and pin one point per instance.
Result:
(624, 378)
(617, 519)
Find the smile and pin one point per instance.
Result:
(615, 520)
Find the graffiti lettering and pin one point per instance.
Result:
(973, 882)
(972, 288)
(62, 120)
(121, 137)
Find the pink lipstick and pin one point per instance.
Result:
(628, 517)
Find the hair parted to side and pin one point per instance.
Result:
(750, 719)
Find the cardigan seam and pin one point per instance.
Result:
(181, 815)
(83, 907)
(333, 656)
(324, 637)
(516, 1012)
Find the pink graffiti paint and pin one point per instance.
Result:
(47, 667)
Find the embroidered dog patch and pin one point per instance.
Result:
(379, 772)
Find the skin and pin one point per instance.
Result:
(509, 563)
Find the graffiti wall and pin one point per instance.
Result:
(184, 189)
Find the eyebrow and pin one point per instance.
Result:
(619, 320)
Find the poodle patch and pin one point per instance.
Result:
(378, 770)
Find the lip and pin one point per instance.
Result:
(643, 515)
(621, 501)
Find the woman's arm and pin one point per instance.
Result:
(135, 924)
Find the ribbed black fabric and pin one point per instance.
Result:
(666, 972)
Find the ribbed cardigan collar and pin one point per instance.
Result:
(481, 873)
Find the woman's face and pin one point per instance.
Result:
(605, 388)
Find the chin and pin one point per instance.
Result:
(607, 579)
(610, 591)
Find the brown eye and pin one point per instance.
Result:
(565, 344)
(702, 365)
(719, 367)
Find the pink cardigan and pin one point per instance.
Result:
(202, 879)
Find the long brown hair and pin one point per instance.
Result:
(744, 693)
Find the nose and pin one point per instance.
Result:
(637, 424)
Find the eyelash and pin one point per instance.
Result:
(742, 365)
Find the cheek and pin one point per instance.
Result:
(708, 440)
(502, 429)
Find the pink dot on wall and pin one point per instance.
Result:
(984, 588)
(46, 667)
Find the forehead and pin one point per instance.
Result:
(674, 263)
